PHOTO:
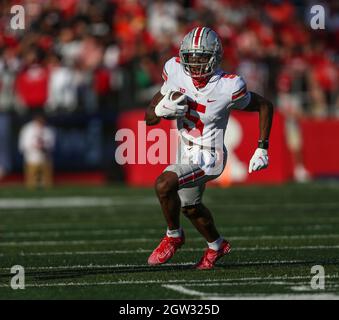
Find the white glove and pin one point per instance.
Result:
(170, 108)
(259, 160)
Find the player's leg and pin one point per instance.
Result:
(199, 215)
(188, 181)
(167, 185)
(166, 188)
(202, 219)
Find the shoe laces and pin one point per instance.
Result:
(168, 240)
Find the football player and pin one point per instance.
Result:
(208, 96)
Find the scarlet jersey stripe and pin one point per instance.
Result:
(198, 107)
(229, 76)
(239, 93)
(196, 130)
(194, 176)
(190, 173)
(164, 75)
(191, 178)
(242, 88)
(239, 96)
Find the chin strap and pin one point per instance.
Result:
(200, 83)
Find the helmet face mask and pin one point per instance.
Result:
(200, 52)
(198, 65)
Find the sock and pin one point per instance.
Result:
(215, 245)
(174, 233)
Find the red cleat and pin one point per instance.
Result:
(166, 250)
(210, 256)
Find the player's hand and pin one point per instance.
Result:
(259, 160)
(170, 108)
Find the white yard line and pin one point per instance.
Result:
(98, 266)
(71, 202)
(82, 201)
(119, 266)
(288, 205)
(248, 283)
(181, 289)
(178, 285)
(140, 240)
(109, 252)
(186, 282)
(213, 296)
(306, 287)
(57, 234)
(286, 296)
(301, 288)
(118, 231)
(99, 232)
(66, 227)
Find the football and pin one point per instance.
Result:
(173, 96)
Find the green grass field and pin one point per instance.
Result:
(93, 243)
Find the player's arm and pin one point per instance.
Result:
(150, 116)
(265, 109)
(249, 101)
(163, 106)
(260, 104)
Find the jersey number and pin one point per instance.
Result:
(198, 124)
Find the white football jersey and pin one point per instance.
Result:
(209, 107)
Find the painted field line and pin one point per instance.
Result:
(98, 232)
(108, 252)
(299, 287)
(82, 201)
(107, 283)
(186, 282)
(139, 240)
(302, 283)
(288, 296)
(99, 266)
(119, 266)
(66, 227)
(199, 283)
(72, 202)
(289, 205)
(181, 289)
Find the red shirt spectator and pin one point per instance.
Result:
(280, 13)
(102, 81)
(31, 86)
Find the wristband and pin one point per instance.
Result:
(263, 144)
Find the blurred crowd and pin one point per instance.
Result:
(97, 55)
